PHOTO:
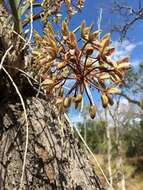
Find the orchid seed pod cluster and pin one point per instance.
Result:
(82, 67)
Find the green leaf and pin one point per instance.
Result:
(24, 8)
(14, 9)
(17, 2)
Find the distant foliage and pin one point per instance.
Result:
(134, 139)
(95, 135)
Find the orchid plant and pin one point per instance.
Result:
(87, 67)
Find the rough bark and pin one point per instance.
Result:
(54, 158)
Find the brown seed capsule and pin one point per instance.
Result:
(113, 90)
(65, 30)
(93, 36)
(92, 111)
(78, 98)
(89, 62)
(111, 102)
(72, 99)
(73, 59)
(105, 100)
(89, 50)
(61, 108)
(61, 65)
(67, 102)
(59, 100)
(61, 92)
(78, 105)
(48, 82)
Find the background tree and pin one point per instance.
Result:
(95, 135)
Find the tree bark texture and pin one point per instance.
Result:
(54, 159)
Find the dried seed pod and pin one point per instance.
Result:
(104, 76)
(89, 62)
(78, 98)
(114, 77)
(111, 102)
(36, 53)
(102, 83)
(65, 31)
(105, 100)
(72, 59)
(92, 111)
(67, 102)
(123, 66)
(48, 82)
(78, 105)
(105, 42)
(61, 108)
(61, 93)
(68, 2)
(72, 51)
(72, 99)
(61, 65)
(59, 100)
(89, 50)
(93, 36)
(113, 90)
(83, 29)
(72, 42)
(123, 60)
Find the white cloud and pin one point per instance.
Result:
(125, 48)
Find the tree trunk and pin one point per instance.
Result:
(54, 159)
(119, 160)
(109, 149)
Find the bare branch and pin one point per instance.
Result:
(131, 16)
(131, 100)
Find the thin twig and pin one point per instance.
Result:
(76, 29)
(99, 21)
(90, 94)
(23, 72)
(21, 37)
(131, 100)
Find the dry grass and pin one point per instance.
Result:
(134, 180)
(135, 183)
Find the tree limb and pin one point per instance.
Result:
(131, 100)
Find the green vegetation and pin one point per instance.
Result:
(95, 135)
